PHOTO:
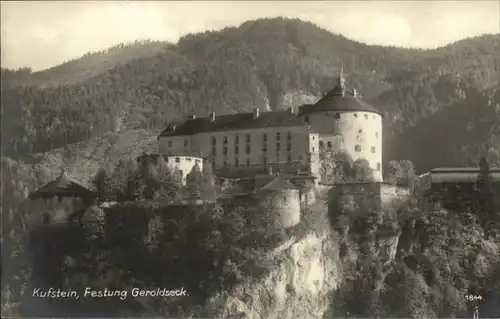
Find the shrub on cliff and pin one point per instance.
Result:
(438, 262)
(483, 199)
(203, 248)
(401, 173)
(16, 215)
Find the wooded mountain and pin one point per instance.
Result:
(427, 96)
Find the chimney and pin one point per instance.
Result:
(293, 110)
(192, 117)
(211, 115)
(270, 170)
(173, 127)
(355, 92)
(256, 113)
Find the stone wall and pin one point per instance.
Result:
(57, 209)
(360, 198)
(282, 206)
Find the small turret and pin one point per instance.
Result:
(212, 116)
(256, 113)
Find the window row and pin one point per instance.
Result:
(248, 148)
(178, 160)
(265, 160)
(186, 143)
(337, 116)
(278, 136)
(357, 148)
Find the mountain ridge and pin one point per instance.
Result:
(260, 64)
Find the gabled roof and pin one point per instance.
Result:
(278, 183)
(457, 175)
(231, 122)
(62, 186)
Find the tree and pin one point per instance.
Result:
(125, 182)
(101, 183)
(483, 196)
(335, 166)
(195, 181)
(361, 171)
(394, 172)
(168, 181)
(401, 173)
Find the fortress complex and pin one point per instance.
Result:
(248, 144)
(275, 156)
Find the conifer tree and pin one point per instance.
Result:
(101, 184)
(483, 196)
(362, 171)
(168, 182)
(194, 182)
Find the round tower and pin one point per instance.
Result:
(282, 202)
(345, 122)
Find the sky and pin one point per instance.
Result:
(42, 34)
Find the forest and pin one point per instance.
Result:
(441, 108)
(145, 84)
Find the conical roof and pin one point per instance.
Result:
(278, 183)
(340, 98)
(62, 186)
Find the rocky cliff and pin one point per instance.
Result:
(309, 274)
(307, 271)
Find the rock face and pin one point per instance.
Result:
(308, 271)
(298, 287)
(297, 98)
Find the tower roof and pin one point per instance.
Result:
(340, 98)
(230, 122)
(278, 183)
(62, 186)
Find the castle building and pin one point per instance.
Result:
(60, 197)
(252, 142)
(181, 164)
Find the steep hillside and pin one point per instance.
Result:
(457, 135)
(83, 159)
(258, 64)
(86, 67)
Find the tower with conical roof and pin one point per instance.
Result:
(345, 122)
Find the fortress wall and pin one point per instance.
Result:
(282, 207)
(58, 210)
